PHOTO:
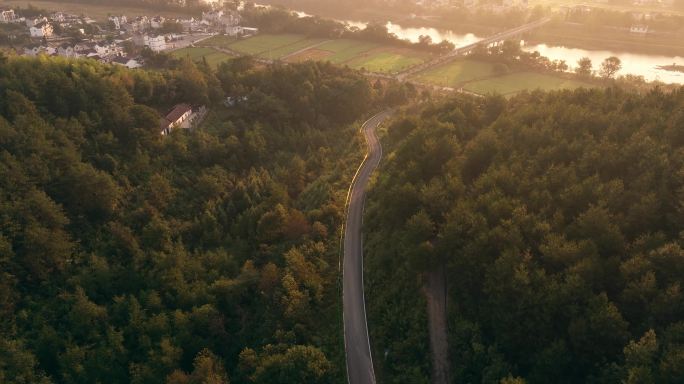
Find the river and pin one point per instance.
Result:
(632, 63)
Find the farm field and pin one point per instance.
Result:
(456, 73)
(343, 50)
(213, 57)
(314, 54)
(290, 49)
(517, 82)
(266, 44)
(389, 60)
(220, 41)
(354, 53)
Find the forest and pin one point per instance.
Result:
(557, 220)
(206, 256)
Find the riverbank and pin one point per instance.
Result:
(556, 34)
(383, 15)
(651, 8)
(672, 68)
(579, 36)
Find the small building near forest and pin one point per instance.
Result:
(178, 117)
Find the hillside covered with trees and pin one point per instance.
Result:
(557, 221)
(205, 256)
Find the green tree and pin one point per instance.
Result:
(207, 369)
(297, 364)
(584, 67)
(610, 67)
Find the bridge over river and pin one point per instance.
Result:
(493, 40)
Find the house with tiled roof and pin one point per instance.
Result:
(127, 62)
(7, 16)
(43, 29)
(178, 117)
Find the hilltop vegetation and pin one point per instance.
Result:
(206, 255)
(557, 219)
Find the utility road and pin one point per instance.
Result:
(356, 342)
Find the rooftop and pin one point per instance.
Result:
(178, 111)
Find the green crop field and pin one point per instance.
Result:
(456, 73)
(291, 48)
(389, 61)
(216, 58)
(355, 53)
(344, 50)
(213, 58)
(516, 82)
(264, 43)
(218, 41)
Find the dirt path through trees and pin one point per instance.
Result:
(435, 293)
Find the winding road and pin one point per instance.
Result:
(356, 342)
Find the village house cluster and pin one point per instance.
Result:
(494, 6)
(120, 39)
(120, 36)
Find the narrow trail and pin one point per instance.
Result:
(295, 53)
(356, 341)
(435, 293)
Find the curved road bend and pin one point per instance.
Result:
(356, 342)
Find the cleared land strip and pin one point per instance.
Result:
(295, 53)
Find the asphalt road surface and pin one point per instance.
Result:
(356, 342)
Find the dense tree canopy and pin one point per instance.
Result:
(557, 218)
(206, 256)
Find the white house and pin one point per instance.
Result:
(43, 29)
(156, 43)
(34, 50)
(188, 24)
(178, 117)
(32, 22)
(640, 29)
(7, 16)
(233, 30)
(127, 62)
(105, 50)
(91, 53)
(247, 31)
(59, 17)
(101, 50)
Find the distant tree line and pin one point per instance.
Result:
(597, 17)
